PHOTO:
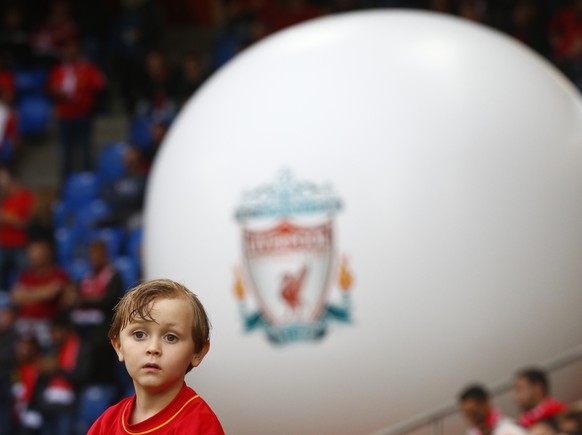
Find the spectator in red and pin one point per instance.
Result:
(288, 13)
(56, 32)
(483, 418)
(99, 291)
(16, 205)
(63, 372)
(566, 40)
(7, 85)
(40, 293)
(531, 392)
(26, 373)
(74, 85)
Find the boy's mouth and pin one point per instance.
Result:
(151, 366)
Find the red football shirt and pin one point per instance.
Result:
(41, 310)
(20, 204)
(76, 85)
(186, 414)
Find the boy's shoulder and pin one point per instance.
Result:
(187, 411)
(110, 418)
(190, 411)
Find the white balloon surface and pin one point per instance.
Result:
(375, 208)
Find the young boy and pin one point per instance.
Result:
(161, 331)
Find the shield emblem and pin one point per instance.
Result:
(289, 267)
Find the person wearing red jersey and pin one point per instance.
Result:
(160, 331)
(16, 208)
(475, 405)
(531, 392)
(63, 371)
(40, 292)
(74, 85)
(98, 292)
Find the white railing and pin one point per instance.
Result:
(434, 419)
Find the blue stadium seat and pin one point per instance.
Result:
(140, 134)
(30, 81)
(65, 244)
(87, 218)
(80, 189)
(60, 215)
(111, 164)
(6, 152)
(93, 400)
(78, 268)
(133, 245)
(128, 270)
(113, 238)
(34, 114)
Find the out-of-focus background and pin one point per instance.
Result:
(88, 91)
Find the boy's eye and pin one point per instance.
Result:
(171, 338)
(139, 334)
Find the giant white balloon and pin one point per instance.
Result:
(433, 164)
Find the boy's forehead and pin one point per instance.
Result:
(151, 310)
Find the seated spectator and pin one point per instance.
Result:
(7, 363)
(14, 38)
(40, 293)
(192, 75)
(543, 429)
(27, 370)
(158, 93)
(483, 419)
(279, 15)
(40, 225)
(63, 371)
(528, 24)
(7, 84)
(443, 6)
(565, 34)
(158, 129)
(55, 32)
(570, 422)
(9, 137)
(137, 29)
(99, 292)
(16, 204)
(531, 392)
(473, 10)
(74, 85)
(125, 195)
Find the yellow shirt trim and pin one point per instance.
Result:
(157, 427)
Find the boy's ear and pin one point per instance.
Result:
(200, 355)
(117, 347)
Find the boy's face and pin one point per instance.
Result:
(157, 354)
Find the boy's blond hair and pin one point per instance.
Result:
(137, 303)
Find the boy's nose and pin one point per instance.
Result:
(153, 348)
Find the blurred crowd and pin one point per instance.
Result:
(540, 412)
(69, 251)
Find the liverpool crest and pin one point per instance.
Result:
(290, 263)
